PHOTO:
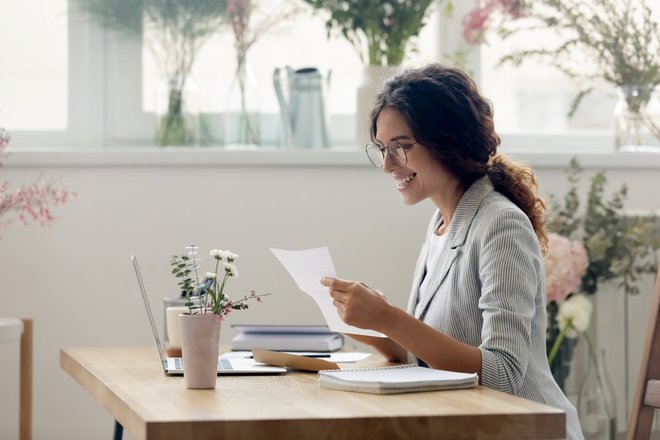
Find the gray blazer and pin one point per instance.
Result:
(488, 290)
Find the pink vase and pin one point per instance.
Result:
(200, 337)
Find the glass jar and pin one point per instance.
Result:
(637, 119)
(177, 112)
(560, 367)
(596, 401)
(241, 117)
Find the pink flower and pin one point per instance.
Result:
(29, 203)
(565, 264)
(477, 22)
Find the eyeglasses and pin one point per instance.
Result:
(395, 150)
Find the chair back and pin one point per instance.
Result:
(647, 391)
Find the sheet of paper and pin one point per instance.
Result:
(307, 267)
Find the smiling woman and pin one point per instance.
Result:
(479, 276)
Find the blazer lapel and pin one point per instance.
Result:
(437, 277)
(456, 236)
(420, 272)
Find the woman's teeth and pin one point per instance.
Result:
(400, 183)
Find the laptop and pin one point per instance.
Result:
(174, 365)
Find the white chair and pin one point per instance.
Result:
(12, 329)
(647, 392)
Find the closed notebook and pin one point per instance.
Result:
(395, 379)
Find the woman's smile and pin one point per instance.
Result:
(402, 182)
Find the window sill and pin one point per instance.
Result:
(274, 157)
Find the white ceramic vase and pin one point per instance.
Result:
(200, 337)
(371, 83)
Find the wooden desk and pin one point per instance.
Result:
(129, 383)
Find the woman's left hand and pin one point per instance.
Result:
(358, 304)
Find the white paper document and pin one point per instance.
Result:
(307, 267)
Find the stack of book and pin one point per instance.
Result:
(286, 338)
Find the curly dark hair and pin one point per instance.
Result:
(447, 114)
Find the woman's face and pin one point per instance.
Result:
(423, 176)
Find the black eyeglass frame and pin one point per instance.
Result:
(391, 149)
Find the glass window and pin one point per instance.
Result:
(536, 98)
(34, 65)
(300, 41)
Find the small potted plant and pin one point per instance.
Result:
(207, 305)
(381, 32)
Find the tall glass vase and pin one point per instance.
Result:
(177, 112)
(560, 366)
(637, 118)
(596, 401)
(241, 124)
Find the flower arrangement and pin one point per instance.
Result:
(588, 246)
(174, 32)
(241, 15)
(619, 40)
(620, 247)
(379, 30)
(32, 202)
(565, 263)
(206, 294)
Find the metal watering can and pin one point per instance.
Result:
(304, 119)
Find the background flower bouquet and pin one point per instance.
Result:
(565, 263)
(590, 244)
(380, 31)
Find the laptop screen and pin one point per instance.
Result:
(148, 307)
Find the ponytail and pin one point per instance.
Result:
(517, 183)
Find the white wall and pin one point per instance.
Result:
(76, 281)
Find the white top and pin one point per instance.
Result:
(436, 245)
(11, 329)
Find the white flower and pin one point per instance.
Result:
(230, 255)
(231, 269)
(574, 314)
(217, 254)
(209, 275)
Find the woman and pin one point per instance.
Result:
(478, 296)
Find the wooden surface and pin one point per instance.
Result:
(25, 403)
(129, 383)
(646, 400)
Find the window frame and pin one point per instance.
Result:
(105, 98)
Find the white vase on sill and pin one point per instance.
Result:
(371, 83)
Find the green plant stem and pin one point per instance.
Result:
(560, 338)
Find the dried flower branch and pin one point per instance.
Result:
(241, 15)
(30, 203)
(618, 39)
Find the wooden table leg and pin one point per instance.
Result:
(119, 431)
(25, 405)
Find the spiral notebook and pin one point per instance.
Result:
(395, 379)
